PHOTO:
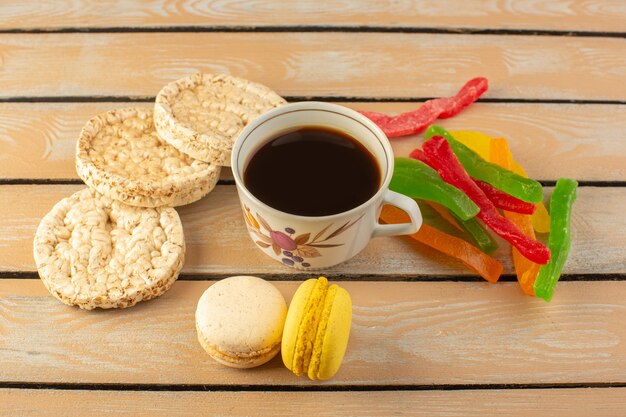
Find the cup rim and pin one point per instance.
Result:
(303, 106)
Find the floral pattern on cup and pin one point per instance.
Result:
(294, 247)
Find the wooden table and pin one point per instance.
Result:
(428, 337)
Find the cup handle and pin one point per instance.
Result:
(405, 204)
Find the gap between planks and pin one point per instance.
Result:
(61, 386)
(228, 181)
(355, 277)
(319, 29)
(292, 99)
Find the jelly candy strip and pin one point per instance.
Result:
(504, 201)
(503, 179)
(561, 202)
(477, 232)
(416, 121)
(480, 143)
(439, 155)
(486, 266)
(525, 270)
(415, 179)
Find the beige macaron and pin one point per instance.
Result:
(240, 321)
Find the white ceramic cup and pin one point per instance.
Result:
(305, 242)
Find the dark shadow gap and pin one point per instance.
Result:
(300, 275)
(319, 29)
(78, 181)
(330, 99)
(299, 388)
(68, 181)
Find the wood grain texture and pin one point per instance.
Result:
(315, 64)
(477, 403)
(589, 15)
(217, 241)
(402, 333)
(37, 140)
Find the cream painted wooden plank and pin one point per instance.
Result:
(317, 64)
(405, 333)
(37, 139)
(217, 241)
(478, 403)
(586, 140)
(594, 15)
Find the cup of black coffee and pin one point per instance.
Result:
(312, 178)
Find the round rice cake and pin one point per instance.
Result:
(120, 155)
(203, 114)
(95, 252)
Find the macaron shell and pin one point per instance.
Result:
(335, 338)
(238, 362)
(295, 315)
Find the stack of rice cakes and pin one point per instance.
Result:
(120, 241)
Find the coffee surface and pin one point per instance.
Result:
(312, 171)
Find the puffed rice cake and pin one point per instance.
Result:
(202, 115)
(120, 155)
(94, 252)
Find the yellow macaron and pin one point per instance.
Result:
(317, 329)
